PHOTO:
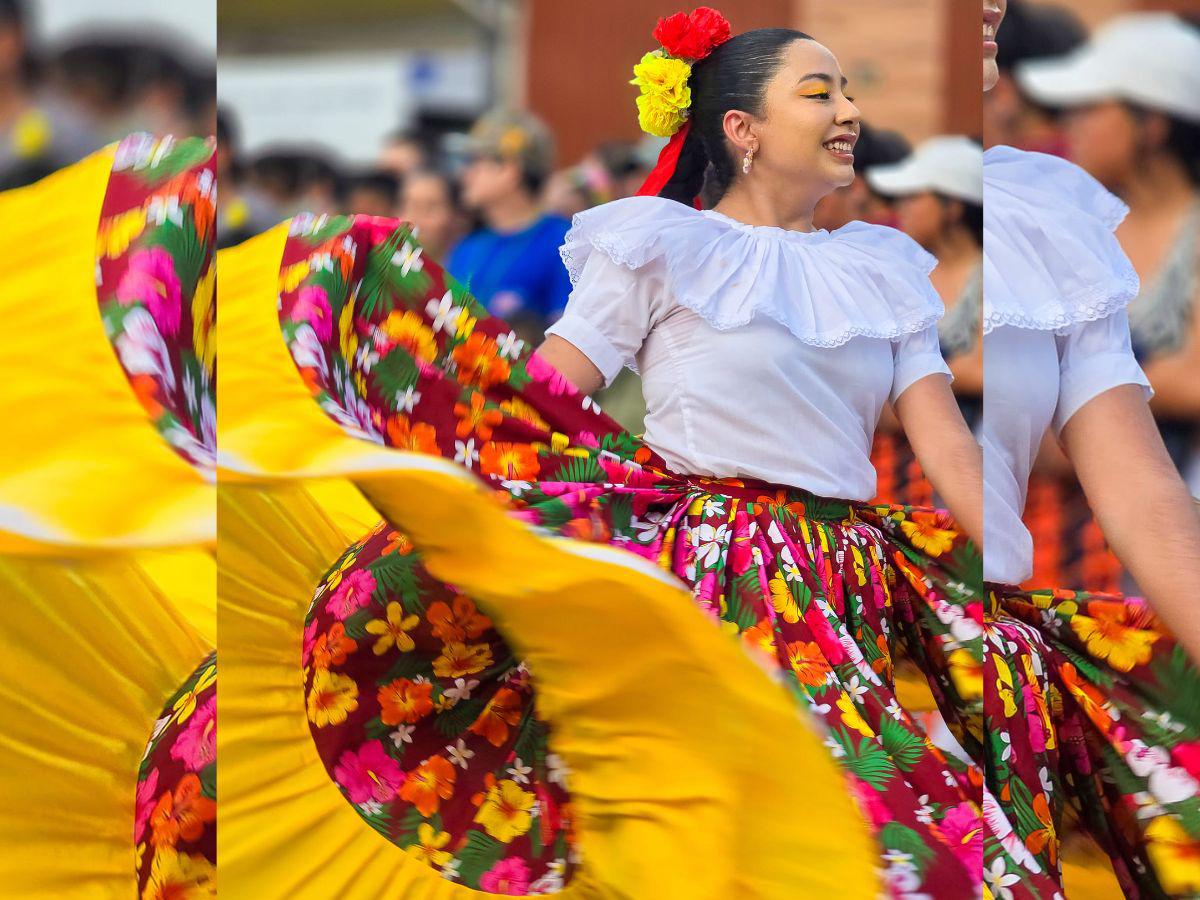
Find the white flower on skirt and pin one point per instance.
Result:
(461, 690)
(459, 753)
(710, 544)
(999, 880)
(407, 399)
(408, 258)
(444, 313)
(465, 452)
(403, 735)
(450, 869)
(509, 345)
(556, 769)
(519, 771)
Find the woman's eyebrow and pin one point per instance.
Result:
(822, 76)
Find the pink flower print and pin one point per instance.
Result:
(824, 635)
(1187, 756)
(586, 439)
(196, 747)
(145, 803)
(310, 639)
(870, 802)
(312, 306)
(541, 371)
(1033, 719)
(352, 594)
(151, 280)
(509, 876)
(963, 828)
(369, 774)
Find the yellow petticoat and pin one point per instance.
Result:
(673, 793)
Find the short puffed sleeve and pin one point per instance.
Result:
(611, 311)
(1095, 357)
(915, 356)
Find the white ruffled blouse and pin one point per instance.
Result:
(764, 353)
(1056, 332)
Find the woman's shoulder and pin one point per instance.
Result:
(1051, 258)
(824, 286)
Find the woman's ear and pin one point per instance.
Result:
(739, 130)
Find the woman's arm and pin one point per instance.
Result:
(945, 449)
(1140, 503)
(570, 361)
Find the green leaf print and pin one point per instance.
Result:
(182, 156)
(396, 578)
(894, 836)
(582, 469)
(1087, 668)
(384, 281)
(480, 854)
(375, 728)
(334, 226)
(186, 248)
(1176, 689)
(395, 374)
(530, 742)
(620, 513)
(406, 827)
(408, 665)
(454, 721)
(554, 514)
(866, 759)
(356, 624)
(904, 747)
(208, 782)
(518, 376)
(335, 287)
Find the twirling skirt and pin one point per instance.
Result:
(1093, 716)
(425, 718)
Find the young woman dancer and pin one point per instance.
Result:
(1088, 696)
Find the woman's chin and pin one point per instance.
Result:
(991, 74)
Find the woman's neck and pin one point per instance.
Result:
(758, 206)
(1162, 184)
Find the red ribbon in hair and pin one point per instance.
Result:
(664, 170)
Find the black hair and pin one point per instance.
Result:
(1036, 32)
(879, 147)
(381, 181)
(453, 188)
(972, 215)
(733, 76)
(1183, 138)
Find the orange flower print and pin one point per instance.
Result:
(408, 330)
(1090, 700)
(479, 362)
(761, 636)
(331, 649)
(460, 659)
(429, 784)
(927, 533)
(459, 622)
(475, 417)
(1123, 647)
(419, 438)
(397, 543)
(181, 815)
(502, 710)
(807, 662)
(518, 462)
(1043, 838)
(393, 629)
(404, 701)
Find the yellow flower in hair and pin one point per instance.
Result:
(664, 77)
(658, 118)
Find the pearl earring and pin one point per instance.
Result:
(747, 161)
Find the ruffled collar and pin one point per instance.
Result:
(825, 287)
(1051, 259)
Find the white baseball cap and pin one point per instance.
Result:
(948, 164)
(1149, 58)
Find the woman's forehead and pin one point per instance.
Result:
(809, 57)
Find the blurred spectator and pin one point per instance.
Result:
(857, 201)
(243, 210)
(404, 153)
(512, 263)
(374, 193)
(298, 179)
(1010, 116)
(570, 191)
(37, 134)
(430, 201)
(1132, 120)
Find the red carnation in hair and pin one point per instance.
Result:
(694, 36)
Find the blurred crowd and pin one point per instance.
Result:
(59, 103)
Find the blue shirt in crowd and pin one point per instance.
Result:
(516, 273)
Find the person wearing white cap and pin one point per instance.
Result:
(1089, 692)
(1132, 97)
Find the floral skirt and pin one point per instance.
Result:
(421, 712)
(1093, 717)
